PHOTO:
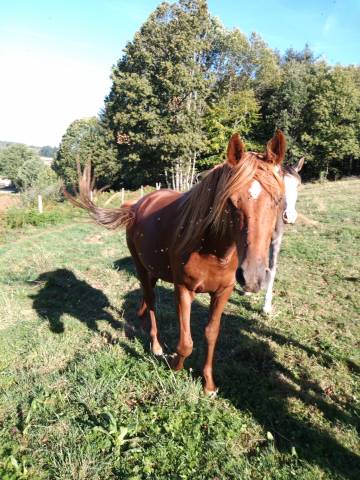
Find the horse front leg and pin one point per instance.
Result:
(218, 301)
(184, 298)
(274, 254)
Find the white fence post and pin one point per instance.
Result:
(122, 195)
(142, 191)
(40, 204)
(91, 195)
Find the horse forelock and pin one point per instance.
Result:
(290, 170)
(204, 204)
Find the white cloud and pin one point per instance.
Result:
(42, 92)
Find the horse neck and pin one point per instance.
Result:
(224, 243)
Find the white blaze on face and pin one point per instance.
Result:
(255, 189)
(291, 192)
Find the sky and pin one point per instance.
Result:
(56, 56)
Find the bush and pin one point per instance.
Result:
(47, 184)
(20, 217)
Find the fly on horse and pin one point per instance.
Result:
(197, 240)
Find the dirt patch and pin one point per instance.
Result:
(7, 201)
(98, 238)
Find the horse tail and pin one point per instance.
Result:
(110, 218)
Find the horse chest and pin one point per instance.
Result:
(208, 273)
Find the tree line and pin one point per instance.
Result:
(185, 83)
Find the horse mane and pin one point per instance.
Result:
(204, 205)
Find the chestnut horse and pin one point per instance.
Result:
(199, 238)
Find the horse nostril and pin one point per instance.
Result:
(240, 276)
(285, 218)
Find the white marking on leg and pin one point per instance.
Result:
(275, 246)
(267, 307)
(255, 189)
(291, 192)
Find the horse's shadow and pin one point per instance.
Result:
(63, 293)
(246, 369)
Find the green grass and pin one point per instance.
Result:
(81, 396)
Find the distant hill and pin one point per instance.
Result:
(45, 151)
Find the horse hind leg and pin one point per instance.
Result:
(148, 304)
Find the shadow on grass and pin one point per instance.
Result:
(250, 376)
(246, 369)
(63, 293)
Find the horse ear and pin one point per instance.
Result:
(299, 165)
(276, 148)
(235, 150)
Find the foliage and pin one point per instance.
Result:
(318, 108)
(47, 184)
(286, 103)
(48, 151)
(185, 83)
(21, 165)
(236, 112)
(331, 121)
(159, 92)
(19, 217)
(86, 140)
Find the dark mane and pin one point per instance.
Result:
(292, 171)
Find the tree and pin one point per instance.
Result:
(48, 151)
(238, 111)
(331, 121)
(21, 165)
(87, 140)
(159, 93)
(286, 104)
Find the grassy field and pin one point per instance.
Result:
(81, 396)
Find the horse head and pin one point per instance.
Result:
(257, 202)
(292, 181)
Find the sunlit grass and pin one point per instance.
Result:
(82, 397)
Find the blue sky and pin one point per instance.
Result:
(56, 56)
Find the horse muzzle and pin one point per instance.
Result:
(289, 216)
(252, 281)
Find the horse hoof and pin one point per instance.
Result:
(158, 351)
(266, 310)
(211, 393)
(246, 294)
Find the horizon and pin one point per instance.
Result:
(57, 58)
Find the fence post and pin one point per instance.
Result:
(91, 195)
(122, 195)
(40, 204)
(142, 191)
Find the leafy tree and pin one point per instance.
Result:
(331, 121)
(185, 83)
(87, 140)
(238, 111)
(21, 165)
(286, 103)
(159, 92)
(48, 151)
